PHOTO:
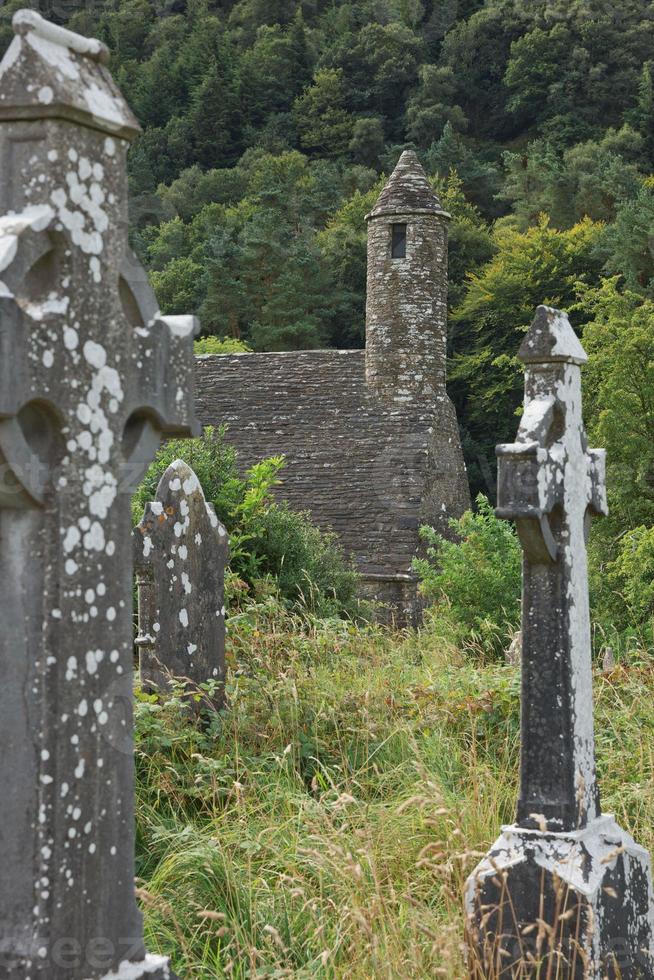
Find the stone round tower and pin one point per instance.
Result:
(406, 308)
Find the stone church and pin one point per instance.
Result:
(370, 436)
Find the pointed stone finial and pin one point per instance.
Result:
(50, 72)
(407, 191)
(551, 338)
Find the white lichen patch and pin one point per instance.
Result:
(181, 326)
(79, 208)
(103, 105)
(56, 55)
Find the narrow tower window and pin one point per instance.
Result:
(398, 242)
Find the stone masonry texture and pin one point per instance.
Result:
(406, 309)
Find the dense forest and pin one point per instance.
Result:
(268, 127)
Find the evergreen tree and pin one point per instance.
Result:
(367, 141)
(273, 72)
(324, 124)
(630, 241)
(432, 106)
(642, 117)
(589, 179)
(480, 176)
(214, 114)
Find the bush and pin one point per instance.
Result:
(307, 564)
(267, 540)
(631, 577)
(221, 345)
(214, 462)
(475, 580)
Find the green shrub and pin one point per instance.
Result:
(631, 576)
(307, 564)
(267, 541)
(221, 345)
(622, 593)
(474, 580)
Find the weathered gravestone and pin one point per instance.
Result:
(564, 886)
(180, 556)
(90, 377)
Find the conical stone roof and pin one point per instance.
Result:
(407, 191)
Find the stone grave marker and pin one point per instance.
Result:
(91, 376)
(564, 886)
(180, 555)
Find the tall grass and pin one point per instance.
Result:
(324, 824)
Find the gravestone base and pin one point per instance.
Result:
(585, 904)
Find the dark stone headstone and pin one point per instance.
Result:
(180, 555)
(91, 376)
(565, 890)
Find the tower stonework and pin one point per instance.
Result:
(406, 307)
(406, 330)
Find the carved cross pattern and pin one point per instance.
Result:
(122, 397)
(550, 484)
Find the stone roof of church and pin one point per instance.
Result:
(407, 190)
(360, 468)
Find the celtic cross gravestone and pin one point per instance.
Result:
(180, 555)
(91, 376)
(565, 889)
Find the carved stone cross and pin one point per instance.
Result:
(180, 555)
(564, 888)
(550, 484)
(91, 376)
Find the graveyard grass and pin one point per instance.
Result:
(324, 825)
